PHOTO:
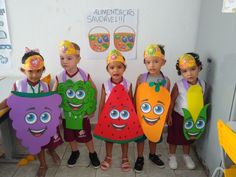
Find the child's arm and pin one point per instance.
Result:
(93, 85)
(3, 104)
(130, 92)
(102, 101)
(137, 84)
(55, 85)
(174, 95)
(168, 84)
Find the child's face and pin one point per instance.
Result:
(154, 64)
(33, 75)
(69, 62)
(190, 74)
(116, 70)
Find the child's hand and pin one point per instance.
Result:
(91, 115)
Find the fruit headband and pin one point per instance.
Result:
(153, 50)
(115, 55)
(68, 48)
(186, 61)
(33, 62)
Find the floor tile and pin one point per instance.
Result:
(188, 173)
(64, 171)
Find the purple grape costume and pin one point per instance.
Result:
(35, 118)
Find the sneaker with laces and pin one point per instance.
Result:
(73, 158)
(188, 162)
(94, 159)
(138, 167)
(155, 159)
(173, 162)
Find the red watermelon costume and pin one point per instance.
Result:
(118, 122)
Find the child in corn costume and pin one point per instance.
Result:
(187, 115)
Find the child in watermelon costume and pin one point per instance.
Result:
(118, 122)
(154, 59)
(78, 102)
(189, 66)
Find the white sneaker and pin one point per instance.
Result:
(188, 162)
(173, 162)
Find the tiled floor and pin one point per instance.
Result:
(84, 169)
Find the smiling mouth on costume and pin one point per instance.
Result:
(75, 106)
(192, 134)
(37, 133)
(151, 121)
(119, 127)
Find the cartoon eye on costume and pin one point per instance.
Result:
(70, 93)
(45, 117)
(30, 118)
(158, 109)
(200, 124)
(145, 107)
(188, 124)
(114, 114)
(80, 94)
(124, 114)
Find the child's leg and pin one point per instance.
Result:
(138, 167)
(172, 158)
(109, 147)
(43, 166)
(187, 159)
(186, 149)
(56, 159)
(172, 148)
(106, 164)
(125, 165)
(152, 147)
(124, 149)
(153, 157)
(74, 154)
(140, 148)
(73, 146)
(90, 146)
(92, 154)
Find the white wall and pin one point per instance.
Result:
(216, 40)
(43, 24)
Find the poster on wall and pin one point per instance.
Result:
(109, 29)
(5, 42)
(229, 6)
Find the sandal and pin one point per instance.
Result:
(56, 159)
(26, 160)
(42, 171)
(106, 164)
(125, 165)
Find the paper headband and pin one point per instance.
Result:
(68, 48)
(153, 50)
(32, 60)
(115, 55)
(186, 61)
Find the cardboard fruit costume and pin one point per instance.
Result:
(196, 113)
(118, 122)
(78, 100)
(152, 104)
(35, 118)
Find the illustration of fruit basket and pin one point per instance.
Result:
(124, 38)
(99, 39)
